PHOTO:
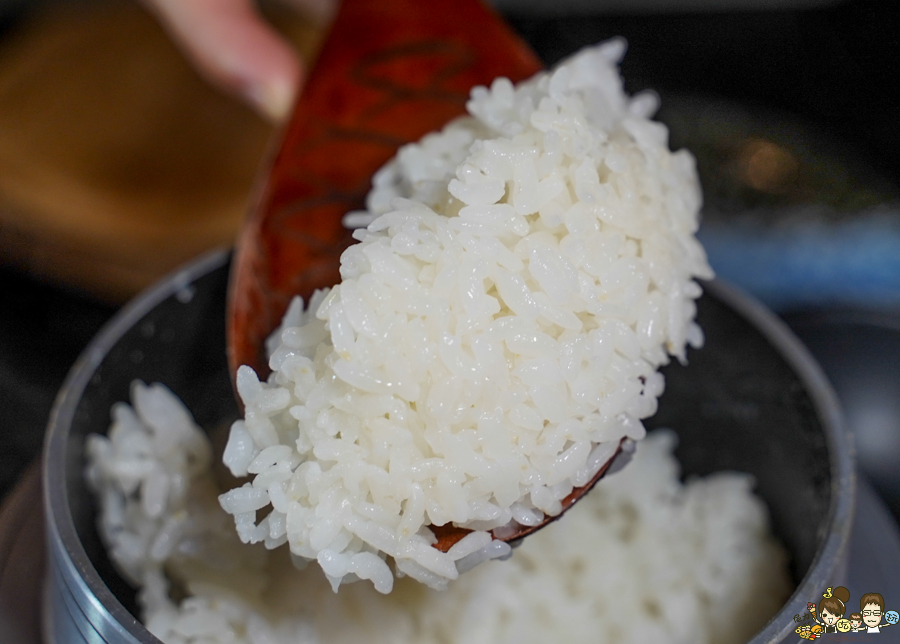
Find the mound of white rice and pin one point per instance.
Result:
(641, 559)
(496, 333)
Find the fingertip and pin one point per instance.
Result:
(273, 98)
(236, 49)
(267, 71)
(264, 69)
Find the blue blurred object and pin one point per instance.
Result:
(804, 262)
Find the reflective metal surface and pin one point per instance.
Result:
(161, 336)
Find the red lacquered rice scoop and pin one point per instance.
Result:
(390, 72)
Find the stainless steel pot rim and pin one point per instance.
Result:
(65, 547)
(840, 449)
(102, 607)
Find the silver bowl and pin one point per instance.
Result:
(752, 400)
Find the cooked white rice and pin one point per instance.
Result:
(496, 332)
(641, 559)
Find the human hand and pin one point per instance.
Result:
(234, 48)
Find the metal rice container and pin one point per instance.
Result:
(752, 400)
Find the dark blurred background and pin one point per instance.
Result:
(117, 164)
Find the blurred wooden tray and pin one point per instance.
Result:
(117, 163)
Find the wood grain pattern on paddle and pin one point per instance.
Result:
(389, 72)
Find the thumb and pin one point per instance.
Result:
(233, 47)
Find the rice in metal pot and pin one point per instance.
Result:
(642, 558)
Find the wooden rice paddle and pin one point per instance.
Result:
(389, 72)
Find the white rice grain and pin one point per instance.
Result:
(497, 330)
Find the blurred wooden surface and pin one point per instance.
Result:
(117, 163)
